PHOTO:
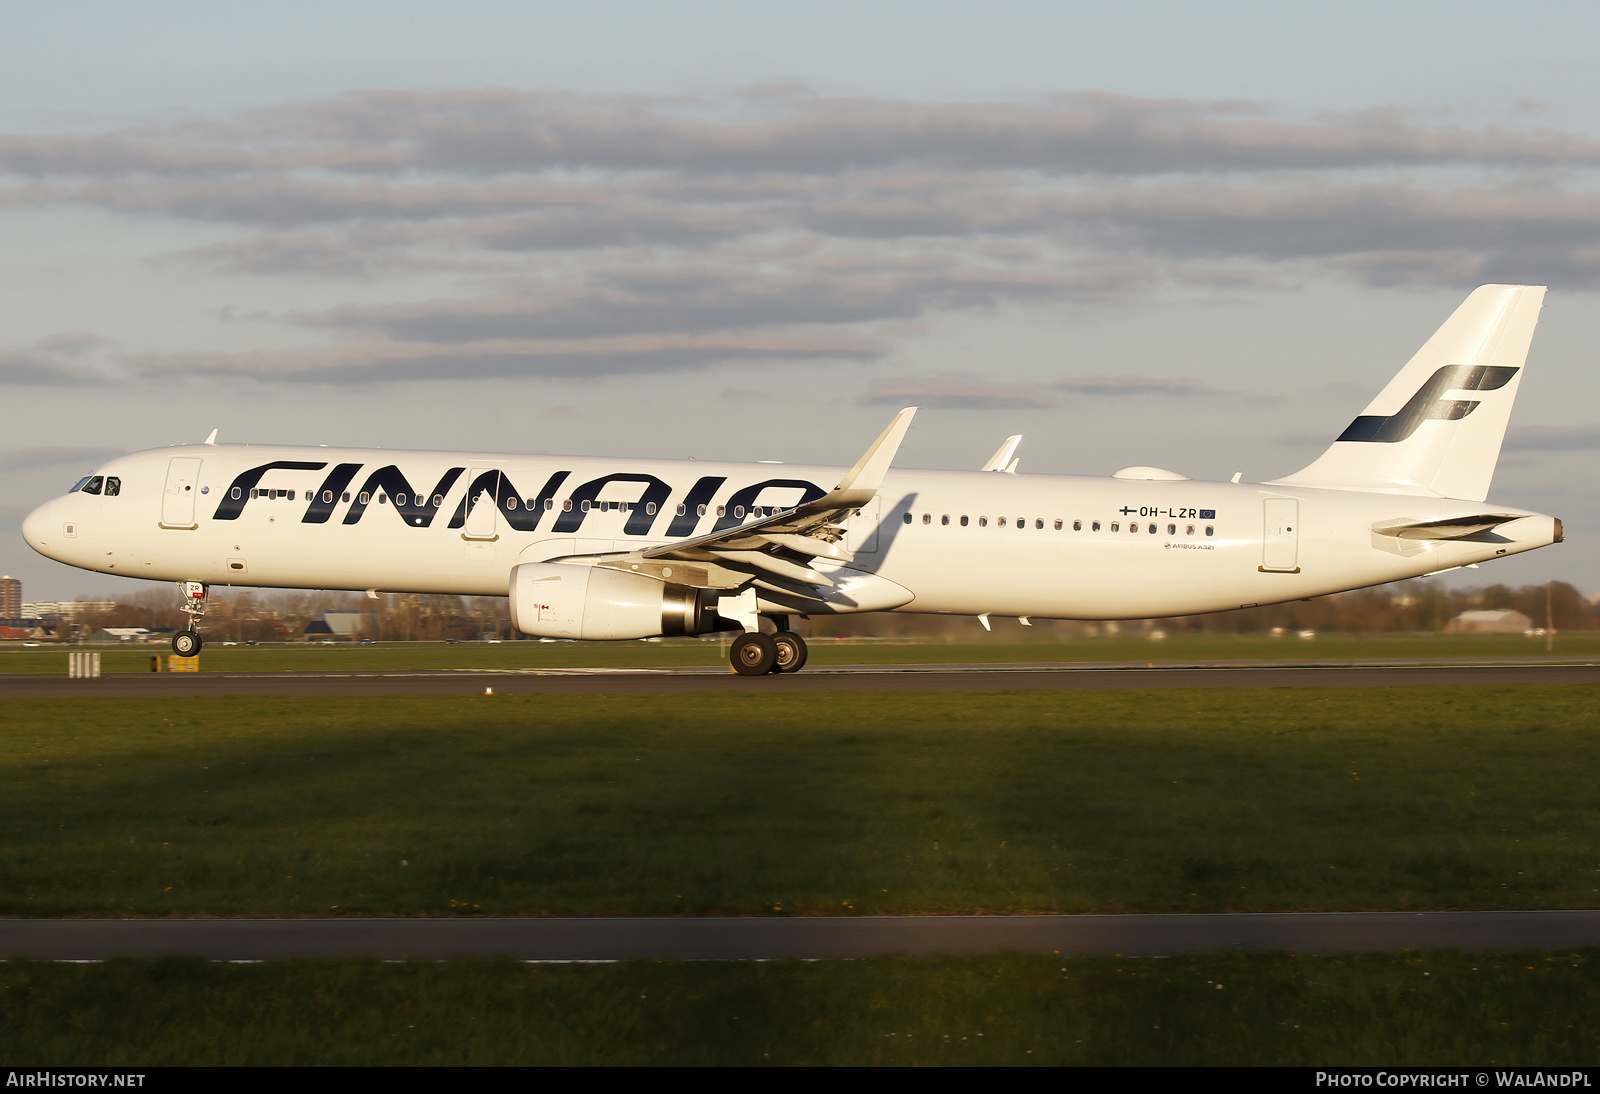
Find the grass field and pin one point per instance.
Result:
(1458, 1009)
(820, 804)
(677, 652)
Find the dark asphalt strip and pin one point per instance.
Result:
(891, 678)
(806, 938)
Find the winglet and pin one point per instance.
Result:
(860, 484)
(1002, 456)
(213, 438)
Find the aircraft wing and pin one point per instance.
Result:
(782, 546)
(1002, 459)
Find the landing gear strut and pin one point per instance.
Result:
(187, 643)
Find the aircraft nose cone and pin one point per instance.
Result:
(36, 529)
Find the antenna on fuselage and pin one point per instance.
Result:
(213, 438)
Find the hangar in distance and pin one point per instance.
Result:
(609, 548)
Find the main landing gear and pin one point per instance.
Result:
(757, 654)
(187, 643)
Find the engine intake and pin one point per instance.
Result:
(560, 600)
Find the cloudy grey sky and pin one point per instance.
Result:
(1199, 236)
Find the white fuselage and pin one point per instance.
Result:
(1048, 546)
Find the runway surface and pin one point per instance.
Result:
(974, 677)
(807, 938)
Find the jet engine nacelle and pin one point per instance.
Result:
(560, 600)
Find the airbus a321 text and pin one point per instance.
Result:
(596, 548)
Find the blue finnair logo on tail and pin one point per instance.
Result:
(1429, 404)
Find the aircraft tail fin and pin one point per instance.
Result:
(1437, 427)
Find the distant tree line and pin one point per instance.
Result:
(271, 615)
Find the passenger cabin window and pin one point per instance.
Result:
(1001, 521)
(1077, 526)
(345, 496)
(1152, 529)
(699, 510)
(364, 499)
(1095, 527)
(963, 520)
(93, 485)
(113, 486)
(650, 508)
(1208, 529)
(945, 519)
(1132, 527)
(907, 520)
(1172, 529)
(400, 499)
(438, 500)
(1040, 524)
(1058, 526)
(983, 522)
(235, 493)
(927, 518)
(566, 505)
(1115, 527)
(1189, 530)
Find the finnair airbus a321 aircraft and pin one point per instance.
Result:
(596, 548)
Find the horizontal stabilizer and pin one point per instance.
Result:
(1449, 528)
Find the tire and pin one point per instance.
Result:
(753, 654)
(186, 644)
(792, 652)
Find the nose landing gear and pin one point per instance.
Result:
(187, 643)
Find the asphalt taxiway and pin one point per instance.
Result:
(772, 938)
(963, 677)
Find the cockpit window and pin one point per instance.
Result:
(93, 485)
(113, 486)
(78, 485)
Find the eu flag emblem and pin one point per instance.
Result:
(1208, 514)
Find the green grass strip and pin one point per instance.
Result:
(1404, 798)
(712, 652)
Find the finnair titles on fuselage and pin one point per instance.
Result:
(597, 548)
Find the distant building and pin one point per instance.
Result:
(122, 634)
(337, 626)
(1501, 621)
(10, 598)
(65, 609)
